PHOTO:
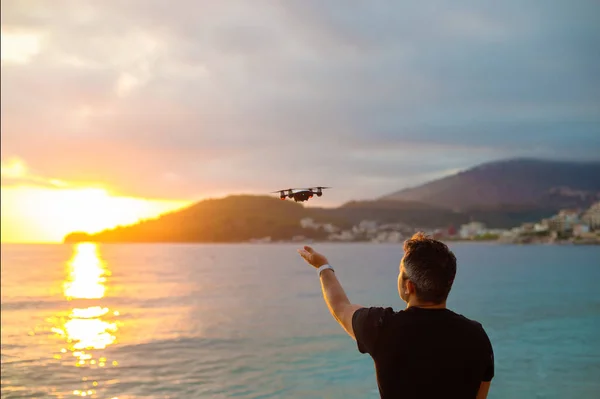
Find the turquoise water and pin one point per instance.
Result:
(248, 321)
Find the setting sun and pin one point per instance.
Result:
(37, 208)
(37, 214)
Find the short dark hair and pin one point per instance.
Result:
(431, 267)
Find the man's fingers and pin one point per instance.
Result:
(304, 253)
(308, 249)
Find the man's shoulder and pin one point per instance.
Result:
(377, 316)
(385, 316)
(472, 326)
(368, 325)
(375, 312)
(465, 319)
(380, 316)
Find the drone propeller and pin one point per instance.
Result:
(287, 190)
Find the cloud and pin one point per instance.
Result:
(18, 48)
(15, 173)
(207, 97)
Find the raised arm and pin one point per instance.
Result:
(338, 303)
(484, 388)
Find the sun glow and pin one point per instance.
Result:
(40, 214)
(14, 168)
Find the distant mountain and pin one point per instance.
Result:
(231, 219)
(515, 183)
(500, 194)
(241, 218)
(407, 212)
(426, 216)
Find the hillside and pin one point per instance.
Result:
(245, 217)
(231, 219)
(429, 216)
(407, 212)
(500, 194)
(522, 183)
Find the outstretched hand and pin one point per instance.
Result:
(313, 258)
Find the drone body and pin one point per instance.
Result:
(300, 194)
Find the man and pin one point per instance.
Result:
(426, 350)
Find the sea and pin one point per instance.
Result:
(249, 321)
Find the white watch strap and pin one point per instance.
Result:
(325, 266)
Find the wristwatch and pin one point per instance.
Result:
(325, 266)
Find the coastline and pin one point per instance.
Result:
(307, 240)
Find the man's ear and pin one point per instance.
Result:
(410, 287)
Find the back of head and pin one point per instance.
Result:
(431, 267)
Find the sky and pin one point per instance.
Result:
(132, 108)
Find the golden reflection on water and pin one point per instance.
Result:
(87, 273)
(87, 330)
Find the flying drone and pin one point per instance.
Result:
(300, 194)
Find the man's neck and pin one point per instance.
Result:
(415, 303)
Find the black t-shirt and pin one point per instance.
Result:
(424, 353)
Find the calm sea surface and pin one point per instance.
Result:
(248, 321)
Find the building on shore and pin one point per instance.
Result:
(472, 229)
(591, 217)
(568, 224)
(563, 221)
(580, 230)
